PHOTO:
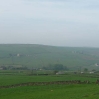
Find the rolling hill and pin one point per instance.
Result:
(37, 56)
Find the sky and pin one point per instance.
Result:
(50, 22)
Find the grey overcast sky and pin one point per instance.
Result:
(50, 22)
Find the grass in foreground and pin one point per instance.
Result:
(87, 91)
(16, 79)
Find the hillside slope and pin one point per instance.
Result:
(35, 56)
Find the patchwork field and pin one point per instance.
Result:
(37, 83)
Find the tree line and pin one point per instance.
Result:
(55, 67)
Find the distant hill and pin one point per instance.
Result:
(37, 56)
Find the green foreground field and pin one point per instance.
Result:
(53, 91)
(17, 79)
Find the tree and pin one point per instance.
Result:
(55, 71)
(85, 69)
(55, 67)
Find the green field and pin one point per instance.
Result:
(15, 79)
(53, 91)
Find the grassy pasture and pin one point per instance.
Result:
(16, 78)
(71, 91)
(52, 92)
